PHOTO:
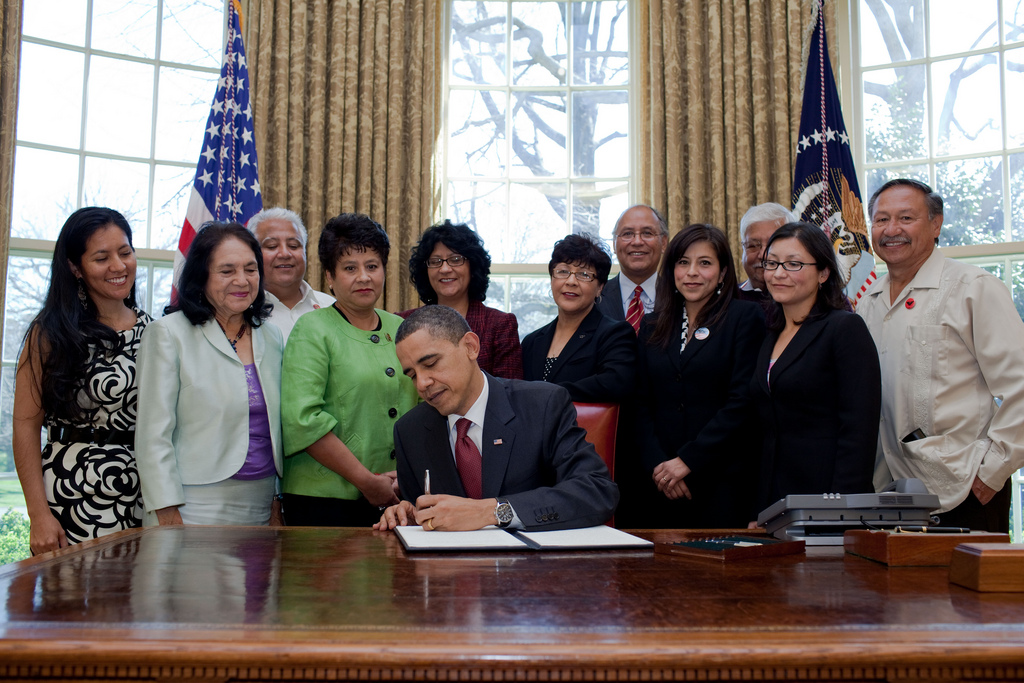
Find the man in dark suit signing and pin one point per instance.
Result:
(501, 452)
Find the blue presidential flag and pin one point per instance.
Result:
(825, 189)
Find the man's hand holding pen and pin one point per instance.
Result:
(441, 512)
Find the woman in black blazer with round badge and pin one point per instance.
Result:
(817, 386)
(592, 356)
(697, 354)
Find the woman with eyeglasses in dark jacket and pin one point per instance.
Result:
(592, 356)
(450, 266)
(817, 384)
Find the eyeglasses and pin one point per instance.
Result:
(630, 235)
(455, 260)
(791, 266)
(581, 275)
(753, 245)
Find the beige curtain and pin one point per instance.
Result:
(347, 105)
(10, 52)
(720, 104)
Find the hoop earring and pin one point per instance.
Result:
(83, 298)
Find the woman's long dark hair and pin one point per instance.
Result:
(830, 294)
(196, 273)
(64, 330)
(669, 303)
(461, 239)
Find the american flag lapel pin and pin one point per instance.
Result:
(497, 442)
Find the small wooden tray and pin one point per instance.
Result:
(910, 549)
(731, 547)
(989, 567)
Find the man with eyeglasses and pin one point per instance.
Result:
(950, 348)
(640, 238)
(757, 226)
(641, 235)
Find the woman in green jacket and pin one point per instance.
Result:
(343, 388)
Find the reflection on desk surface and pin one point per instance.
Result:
(355, 579)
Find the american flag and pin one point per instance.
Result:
(825, 188)
(227, 186)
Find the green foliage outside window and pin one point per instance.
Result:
(14, 530)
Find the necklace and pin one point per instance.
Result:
(233, 342)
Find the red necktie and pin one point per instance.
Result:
(467, 459)
(635, 311)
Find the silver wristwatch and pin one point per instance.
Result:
(503, 513)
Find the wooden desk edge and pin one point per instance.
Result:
(451, 660)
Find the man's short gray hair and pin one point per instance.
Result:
(769, 211)
(932, 199)
(283, 214)
(440, 321)
(662, 223)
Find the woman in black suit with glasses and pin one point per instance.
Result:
(817, 384)
(582, 350)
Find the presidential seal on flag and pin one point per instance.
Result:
(825, 188)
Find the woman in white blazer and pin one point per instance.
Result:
(208, 440)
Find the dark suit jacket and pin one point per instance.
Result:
(597, 365)
(534, 455)
(610, 301)
(697, 406)
(759, 296)
(500, 352)
(820, 416)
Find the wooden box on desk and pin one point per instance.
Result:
(910, 549)
(989, 567)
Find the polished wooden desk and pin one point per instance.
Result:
(219, 604)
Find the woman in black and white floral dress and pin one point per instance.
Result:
(76, 377)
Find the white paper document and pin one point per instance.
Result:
(415, 539)
(590, 537)
(489, 538)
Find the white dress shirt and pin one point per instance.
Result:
(476, 414)
(745, 286)
(285, 317)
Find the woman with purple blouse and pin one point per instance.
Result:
(209, 437)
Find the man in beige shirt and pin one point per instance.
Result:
(951, 349)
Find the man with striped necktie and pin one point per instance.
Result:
(641, 236)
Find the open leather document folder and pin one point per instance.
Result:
(416, 539)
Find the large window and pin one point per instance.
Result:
(942, 83)
(113, 100)
(938, 88)
(537, 133)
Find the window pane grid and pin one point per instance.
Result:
(32, 40)
(946, 100)
(120, 161)
(516, 166)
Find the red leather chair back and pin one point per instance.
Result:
(601, 420)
